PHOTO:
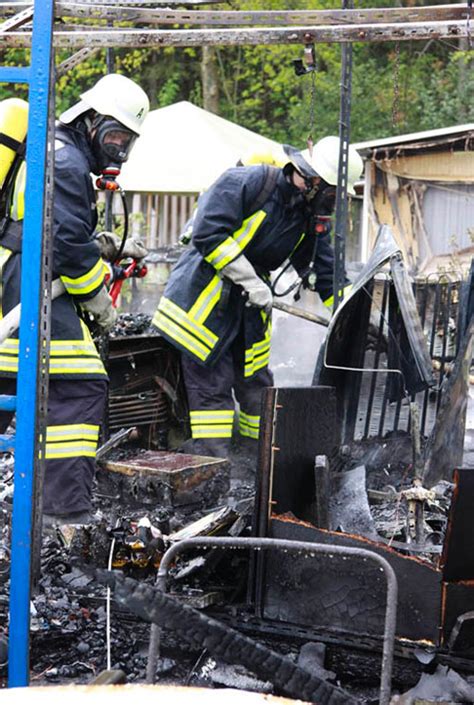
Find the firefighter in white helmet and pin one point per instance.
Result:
(216, 307)
(94, 136)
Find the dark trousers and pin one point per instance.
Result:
(75, 412)
(210, 398)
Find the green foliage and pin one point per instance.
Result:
(415, 86)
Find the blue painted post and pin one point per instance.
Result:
(25, 460)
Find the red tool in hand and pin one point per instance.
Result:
(121, 273)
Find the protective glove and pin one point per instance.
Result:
(100, 306)
(241, 272)
(109, 245)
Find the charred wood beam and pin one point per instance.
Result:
(201, 631)
(141, 38)
(273, 17)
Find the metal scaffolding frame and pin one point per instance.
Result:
(31, 398)
(33, 26)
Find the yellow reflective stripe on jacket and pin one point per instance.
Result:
(17, 210)
(249, 425)
(59, 367)
(184, 318)
(248, 228)
(87, 366)
(66, 357)
(181, 336)
(86, 282)
(206, 300)
(212, 424)
(329, 303)
(223, 254)
(233, 246)
(58, 348)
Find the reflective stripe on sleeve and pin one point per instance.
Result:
(223, 254)
(248, 228)
(86, 282)
(233, 246)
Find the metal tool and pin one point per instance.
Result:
(293, 311)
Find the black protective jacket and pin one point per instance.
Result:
(200, 312)
(76, 260)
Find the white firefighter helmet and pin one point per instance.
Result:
(324, 162)
(116, 96)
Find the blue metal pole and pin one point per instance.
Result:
(25, 460)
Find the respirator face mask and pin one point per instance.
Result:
(112, 143)
(321, 197)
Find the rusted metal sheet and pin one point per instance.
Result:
(339, 595)
(171, 479)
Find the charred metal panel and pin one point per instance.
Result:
(348, 595)
(300, 424)
(146, 388)
(458, 600)
(345, 361)
(415, 363)
(458, 554)
(444, 450)
(419, 351)
(171, 479)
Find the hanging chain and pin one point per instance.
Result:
(312, 110)
(396, 89)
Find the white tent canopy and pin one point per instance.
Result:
(183, 149)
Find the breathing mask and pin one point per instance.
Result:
(111, 142)
(321, 197)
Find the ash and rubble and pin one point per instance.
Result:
(70, 607)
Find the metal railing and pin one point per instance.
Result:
(257, 544)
